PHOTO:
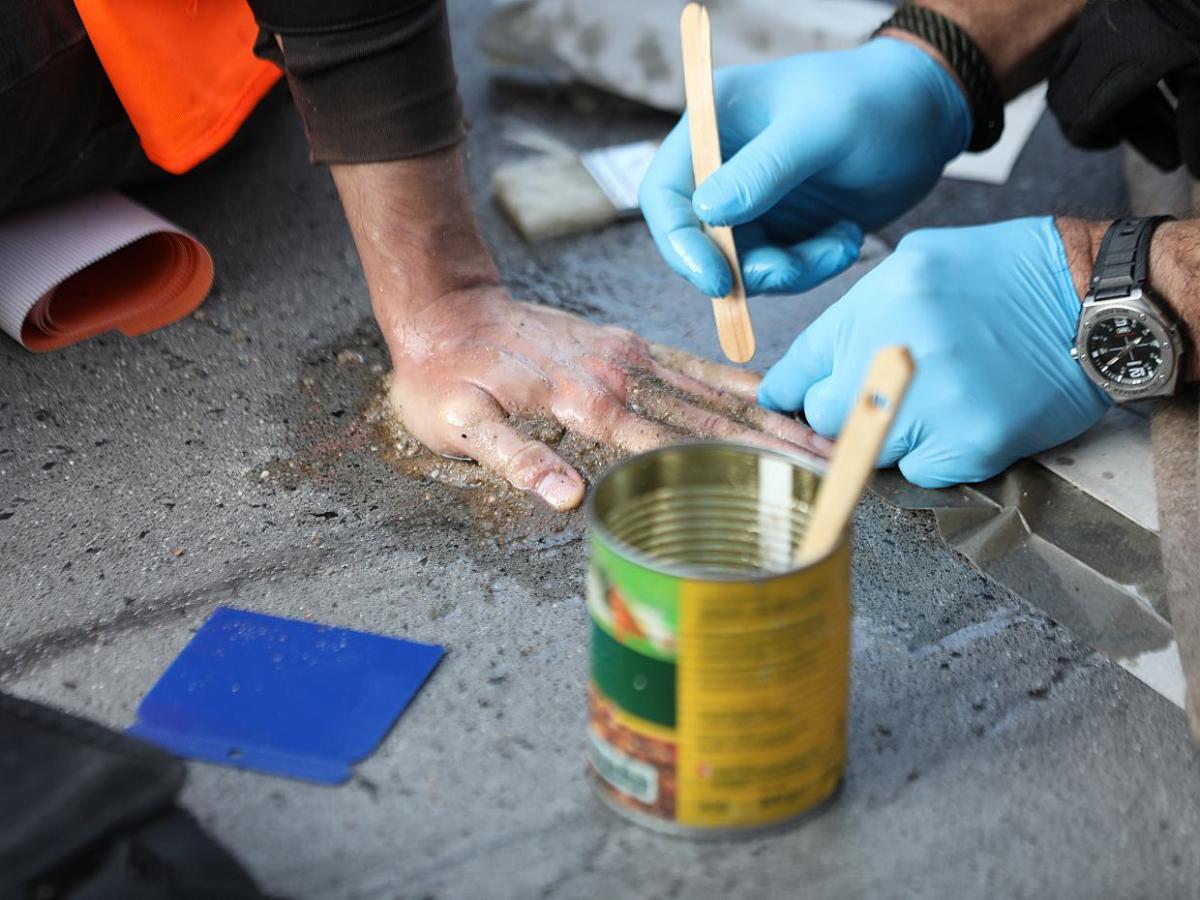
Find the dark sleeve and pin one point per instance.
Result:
(373, 79)
(1130, 71)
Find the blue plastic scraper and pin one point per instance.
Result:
(282, 696)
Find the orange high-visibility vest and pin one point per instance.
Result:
(184, 70)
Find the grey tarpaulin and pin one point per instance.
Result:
(1080, 561)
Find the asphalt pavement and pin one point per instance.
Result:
(231, 460)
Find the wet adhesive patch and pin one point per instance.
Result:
(280, 696)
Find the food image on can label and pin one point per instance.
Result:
(716, 703)
(631, 771)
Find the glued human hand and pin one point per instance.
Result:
(989, 314)
(473, 366)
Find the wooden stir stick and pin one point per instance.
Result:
(730, 312)
(856, 451)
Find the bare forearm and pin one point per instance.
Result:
(1175, 275)
(416, 232)
(1019, 38)
(1174, 272)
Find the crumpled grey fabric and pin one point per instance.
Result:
(631, 48)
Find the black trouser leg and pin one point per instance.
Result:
(63, 131)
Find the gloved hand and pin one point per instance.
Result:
(819, 147)
(1106, 84)
(989, 314)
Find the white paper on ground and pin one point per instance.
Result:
(41, 248)
(619, 170)
(995, 165)
(1113, 462)
(1162, 670)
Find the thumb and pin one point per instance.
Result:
(759, 174)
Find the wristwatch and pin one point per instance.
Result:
(1127, 342)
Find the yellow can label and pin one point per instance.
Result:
(718, 704)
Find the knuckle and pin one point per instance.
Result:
(625, 339)
(617, 343)
(527, 466)
(453, 421)
(592, 407)
(457, 414)
(606, 370)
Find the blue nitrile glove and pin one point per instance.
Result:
(989, 314)
(819, 147)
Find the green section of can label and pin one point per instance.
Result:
(637, 606)
(639, 684)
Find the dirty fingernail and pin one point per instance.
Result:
(560, 491)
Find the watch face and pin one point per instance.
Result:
(1124, 350)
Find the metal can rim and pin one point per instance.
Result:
(632, 554)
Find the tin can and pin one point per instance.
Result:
(719, 671)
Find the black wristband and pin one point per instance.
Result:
(966, 59)
(1123, 262)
